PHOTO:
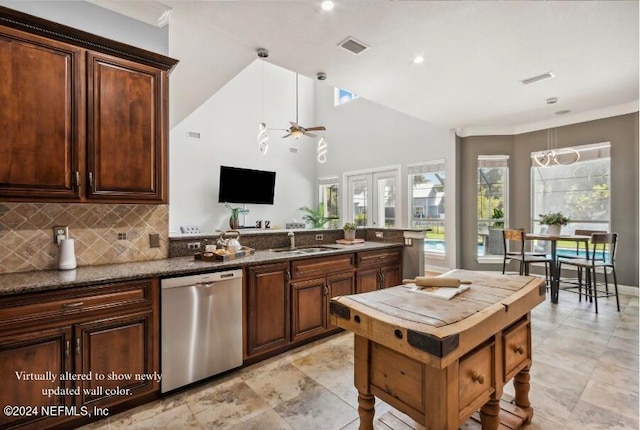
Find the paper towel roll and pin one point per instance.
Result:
(67, 256)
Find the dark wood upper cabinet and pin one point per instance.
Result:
(84, 118)
(41, 126)
(126, 148)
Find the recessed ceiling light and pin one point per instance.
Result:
(418, 59)
(542, 77)
(327, 5)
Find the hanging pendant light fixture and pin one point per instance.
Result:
(263, 137)
(553, 155)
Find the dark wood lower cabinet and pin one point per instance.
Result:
(119, 349)
(267, 314)
(100, 338)
(46, 352)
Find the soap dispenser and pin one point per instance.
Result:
(67, 255)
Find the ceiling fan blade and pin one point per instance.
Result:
(316, 128)
(286, 135)
(294, 124)
(310, 134)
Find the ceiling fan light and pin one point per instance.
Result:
(296, 133)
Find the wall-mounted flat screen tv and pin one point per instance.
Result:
(238, 185)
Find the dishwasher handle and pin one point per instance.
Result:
(205, 284)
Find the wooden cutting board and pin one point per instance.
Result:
(349, 242)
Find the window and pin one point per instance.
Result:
(580, 190)
(342, 96)
(493, 174)
(372, 198)
(426, 200)
(328, 197)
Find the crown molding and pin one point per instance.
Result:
(557, 121)
(150, 12)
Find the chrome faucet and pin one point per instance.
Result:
(292, 240)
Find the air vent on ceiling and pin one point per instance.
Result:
(538, 78)
(196, 135)
(352, 45)
(293, 150)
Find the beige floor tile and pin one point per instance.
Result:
(317, 408)
(587, 416)
(611, 398)
(621, 377)
(620, 358)
(173, 418)
(268, 420)
(620, 344)
(278, 384)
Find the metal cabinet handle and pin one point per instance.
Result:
(67, 349)
(518, 349)
(91, 179)
(326, 290)
(477, 377)
(77, 346)
(77, 179)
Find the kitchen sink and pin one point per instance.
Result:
(305, 249)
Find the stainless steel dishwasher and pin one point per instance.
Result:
(201, 327)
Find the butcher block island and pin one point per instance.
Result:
(441, 361)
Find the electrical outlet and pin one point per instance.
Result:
(154, 240)
(60, 231)
(122, 236)
(193, 245)
(379, 234)
(319, 236)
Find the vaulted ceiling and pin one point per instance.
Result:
(476, 53)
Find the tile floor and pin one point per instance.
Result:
(584, 376)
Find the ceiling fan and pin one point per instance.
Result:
(297, 130)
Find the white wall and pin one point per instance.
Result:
(228, 122)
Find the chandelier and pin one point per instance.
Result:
(552, 155)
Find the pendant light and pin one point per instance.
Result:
(262, 138)
(553, 155)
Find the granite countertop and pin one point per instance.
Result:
(43, 280)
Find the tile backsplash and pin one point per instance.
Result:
(26, 233)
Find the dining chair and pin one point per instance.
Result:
(576, 254)
(601, 255)
(516, 239)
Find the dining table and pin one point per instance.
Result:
(554, 239)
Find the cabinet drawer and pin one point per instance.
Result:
(378, 258)
(516, 343)
(76, 301)
(475, 378)
(318, 267)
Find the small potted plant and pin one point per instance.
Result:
(495, 244)
(316, 217)
(235, 213)
(554, 221)
(349, 231)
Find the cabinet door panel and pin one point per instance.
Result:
(116, 346)
(391, 276)
(367, 280)
(41, 127)
(309, 308)
(268, 313)
(125, 136)
(340, 285)
(34, 353)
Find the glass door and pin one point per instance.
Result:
(372, 199)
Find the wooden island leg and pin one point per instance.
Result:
(490, 415)
(366, 410)
(522, 386)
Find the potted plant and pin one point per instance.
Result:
(235, 213)
(349, 231)
(498, 214)
(494, 243)
(554, 221)
(316, 217)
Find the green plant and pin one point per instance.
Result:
(498, 213)
(235, 212)
(555, 218)
(349, 226)
(316, 217)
